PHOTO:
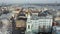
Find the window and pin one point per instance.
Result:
(28, 26)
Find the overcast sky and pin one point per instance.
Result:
(29, 1)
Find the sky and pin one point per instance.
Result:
(29, 1)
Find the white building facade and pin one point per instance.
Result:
(36, 23)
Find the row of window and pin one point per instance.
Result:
(36, 27)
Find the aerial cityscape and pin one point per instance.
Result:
(30, 17)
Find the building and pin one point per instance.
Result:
(5, 26)
(39, 23)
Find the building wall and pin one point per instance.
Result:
(29, 27)
(35, 23)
